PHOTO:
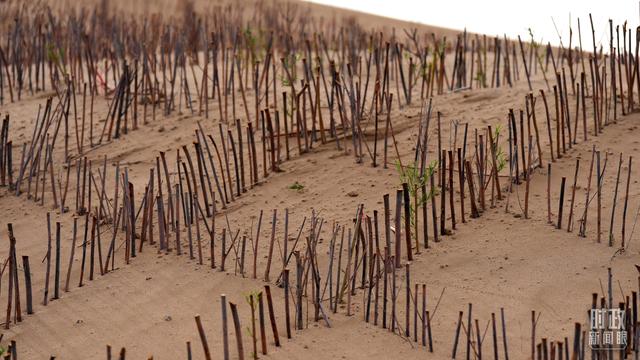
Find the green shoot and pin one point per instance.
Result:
(296, 186)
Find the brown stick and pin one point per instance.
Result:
(560, 203)
(225, 332)
(285, 286)
(433, 208)
(451, 191)
(398, 231)
(549, 193)
(573, 196)
(272, 317)
(238, 330)
(252, 304)
(12, 245)
(472, 195)
(626, 200)
(461, 181)
(527, 172)
(273, 238)
(443, 190)
(263, 334)
(71, 256)
(495, 163)
(599, 184)
(407, 220)
(27, 283)
(203, 338)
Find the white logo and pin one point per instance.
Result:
(607, 329)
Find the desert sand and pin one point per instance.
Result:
(511, 260)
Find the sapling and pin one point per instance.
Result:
(296, 186)
(501, 157)
(410, 174)
(290, 64)
(251, 299)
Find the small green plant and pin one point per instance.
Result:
(54, 54)
(252, 299)
(501, 157)
(290, 64)
(296, 186)
(425, 69)
(481, 77)
(415, 181)
(255, 43)
(292, 105)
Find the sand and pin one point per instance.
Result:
(500, 260)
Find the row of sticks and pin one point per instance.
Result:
(256, 304)
(353, 248)
(600, 168)
(133, 247)
(122, 100)
(126, 216)
(190, 208)
(402, 196)
(78, 47)
(63, 108)
(125, 96)
(475, 337)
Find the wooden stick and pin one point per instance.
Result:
(626, 200)
(549, 193)
(583, 222)
(433, 208)
(238, 330)
(461, 182)
(504, 334)
(48, 257)
(494, 335)
(469, 328)
(12, 244)
(272, 317)
(398, 231)
(573, 196)
(472, 196)
(56, 288)
(615, 200)
(408, 298)
(443, 191)
(599, 182)
(495, 163)
(455, 339)
(407, 221)
(225, 332)
(273, 238)
(27, 283)
(560, 203)
(263, 334)
(253, 326)
(203, 338)
(527, 171)
(451, 191)
(285, 286)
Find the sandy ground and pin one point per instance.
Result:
(500, 260)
